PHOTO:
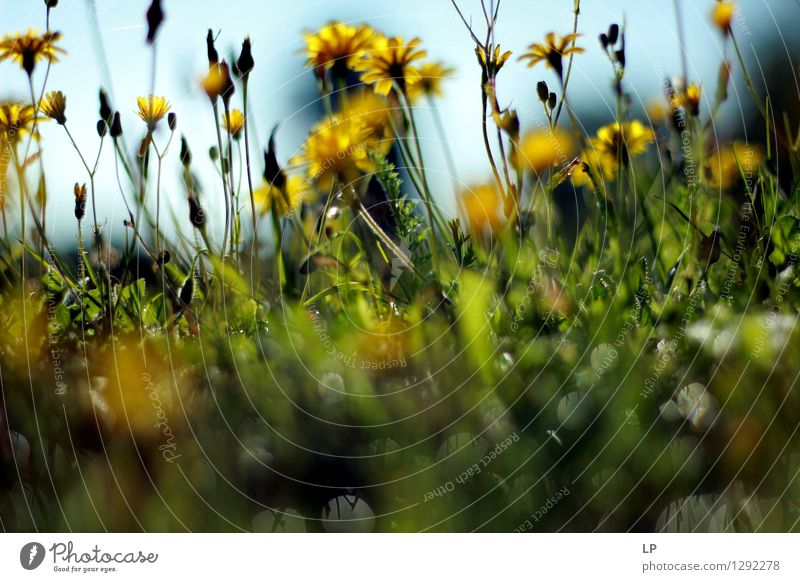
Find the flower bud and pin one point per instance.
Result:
(197, 215)
(80, 200)
(213, 153)
(172, 121)
(155, 17)
(102, 128)
(542, 91)
(245, 63)
(116, 126)
(105, 107)
(551, 101)
(186, 153)
(613, 34)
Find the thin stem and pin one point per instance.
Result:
(254, 262)
(565, 79)
(224, 180)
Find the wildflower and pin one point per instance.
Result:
(80, 200)
(336, 151)
(656, 111)
(391, 62)
(729, 164)
(30, 48)
(481, 207)
(491, 61)
(722, 15)
(16, 120)
(430, 81)
(286, 199)
(373, 111)
(54, 106)
(688, 98)
(619, 143)
(218, 83)
(152, 109)
(541, 150)
(553, 51)
(337, 46)
(233, 122)
(603, 168)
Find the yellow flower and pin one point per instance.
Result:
(152, 109)
(337, 45)
(481, 206)
(389, 62)
(16, 121)
(336, 151)
(217, 82)
(552, 51)
(722, 15)
(234, 123)
(492, 63)
(373, 111)
(688, 98)
(431, 76)
(54, 106)
(727, 165)
(541, 150)
(657, 112)
(286, 199)
(619, 143)
(30, 48)
(604, 168)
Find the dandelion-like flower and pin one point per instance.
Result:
(481, 207)
(336, 151)
(16, 121)
(234, 123)
(733, 162)
(431, 76)
(286, 198)
(541, 150)
(688, 98)
(218, 82)
(722, 15)
(617, 142)
(337, 46)
(373, 112)
(54, 106)
(152, 109)
(552, 51)
(31, 47)
(390, 62)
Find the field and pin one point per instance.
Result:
(599, 336)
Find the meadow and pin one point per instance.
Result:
(600, 337)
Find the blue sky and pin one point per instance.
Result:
(282, 87)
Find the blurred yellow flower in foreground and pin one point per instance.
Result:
(152, 109)
(16, 121)
(727, 165)
(481, 206)
(336, 151)
(617, 142)
(390, 62)
(372, 111)
(337, 45)
(286, 199)
(29, 48)
(541, 150)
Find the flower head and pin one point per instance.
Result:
(390, 62)
(16, 120)
(722, 15)
(431, 75)
(481, 206)
(373, 112)
(688, 98)
(617, 142)
(54, 106)
(491, 60)
(234, 123)
(286, 198)
(337, 46)
(730, 163)
(541, 150)
(218, 82)
(336, 151)
(29, 48)
(552, 51)
(152, 109)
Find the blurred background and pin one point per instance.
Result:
(99, 32)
